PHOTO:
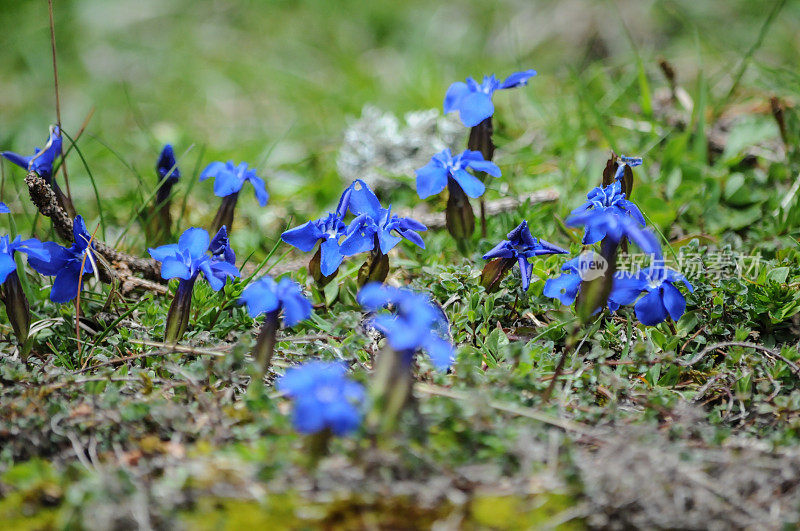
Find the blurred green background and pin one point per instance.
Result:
(274, 82)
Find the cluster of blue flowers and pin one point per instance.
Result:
(325, 400)
(373, 228)
(609, 217)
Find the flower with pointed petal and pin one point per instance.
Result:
(330, 230)
(373, 220)
(520, 246)
(412, 323)
(601, 201)
(265, 296)
(324, 398)
(434, 176)
(189, 257)
(473, 100)
(229, 179)
(67, 264)
(4, 208)
(662, 298)
(42, 160)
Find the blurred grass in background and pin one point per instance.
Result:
(274, 82)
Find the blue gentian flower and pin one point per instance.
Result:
(190, 256)
(520, 246)
(4, 208)
(433, 177)
(229, 179)
(662, 298)
(324, 398)
(266, 296)
(411, 324)
(42, 160)
(32, 247)
(373, 220)
(330, 229)
(605, 200)
(473, 101)
(608, 215)
(68, 264)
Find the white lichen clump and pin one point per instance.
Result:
(384, 152)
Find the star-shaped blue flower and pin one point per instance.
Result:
(265, 296)
(229, 179)
(190, 256)
(324, 398)
(42, 160)
(473, 100)
(4, 208)
(331, 230)
(410, 325)
(68, 264)
(606, 213)
(520, 246)
(662, 298)
(32, 247)
(373, 220)
(433, 177)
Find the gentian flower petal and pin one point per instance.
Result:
(212, 170)
(431, 179)
(564, 288)
(517, 79)
(626, 289)
(260, 297)
(650, 309)
(4, 208)
(304, 237)
(174, 268)
(471, 185)
(363, 200)
(485, 166)
(7, 266)
(673, 301)
(226, 183)
(474, 108)
(259, 188)
(455, 93)
(330, 256)
(195, 241)
(163, 252)
(65, 285)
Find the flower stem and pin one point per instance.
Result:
(179, 310)
(17, 308)
(480, 139)
(225, 213)
(459, 216)
(265, 343)
(375, 268)
(391, 389)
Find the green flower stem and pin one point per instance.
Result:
(265, 343)
(390, 390)
(480, 139)
(593, 295)
(18, 309)
(178, 314)
(459, 216)
(375, 268)
(225, 213)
